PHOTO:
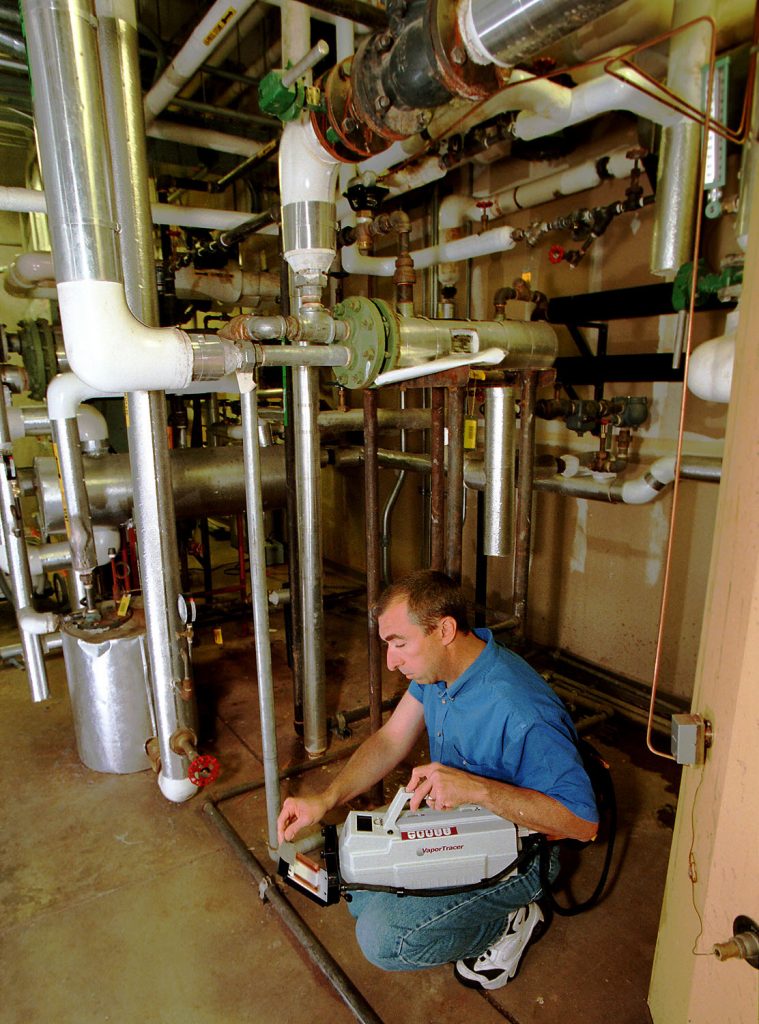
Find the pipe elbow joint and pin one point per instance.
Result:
(37, 623)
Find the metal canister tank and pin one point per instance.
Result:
(108, 680)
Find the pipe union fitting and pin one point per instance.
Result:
(213, 358)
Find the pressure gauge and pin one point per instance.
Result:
(715, 169)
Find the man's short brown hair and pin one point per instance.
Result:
(430, 596)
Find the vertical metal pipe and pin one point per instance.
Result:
(371, 502)
(308, 469)
(154, 513)
(679, 178)
(293, 556)
(499, 470)
(68, 453)
(524, 500)
(387, 512)
(455, 510)
(18, 559)
(260, 601)
(437, 480)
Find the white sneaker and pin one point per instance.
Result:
(500, 963)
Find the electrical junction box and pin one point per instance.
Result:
(690, 735)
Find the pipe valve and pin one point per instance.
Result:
(203, 768)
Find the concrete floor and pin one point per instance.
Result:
(117, 906)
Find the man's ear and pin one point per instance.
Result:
(448, 629)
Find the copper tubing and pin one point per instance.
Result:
(524, 500)
(664, 607)
(455, 510)
(437, 480)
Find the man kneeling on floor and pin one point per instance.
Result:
(499, 738)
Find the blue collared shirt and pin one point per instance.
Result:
(501, 720)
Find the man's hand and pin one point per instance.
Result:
(443, 787)
(298, 813)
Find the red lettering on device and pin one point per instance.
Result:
(430, 833)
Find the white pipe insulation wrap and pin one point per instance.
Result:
(27, 271)
(176, 790)
(110, 349)
(229, 285)
(30, 200)
(37, 623)
(188, 135)
(307, 179)
(645, 488)
(91, 423)
(551, 111)
(488, 357)
(205, 37)
(710, 369)
(493, 241)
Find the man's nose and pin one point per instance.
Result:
(392, 659)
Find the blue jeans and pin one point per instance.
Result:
(405, 933)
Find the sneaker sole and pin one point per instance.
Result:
(537, 934)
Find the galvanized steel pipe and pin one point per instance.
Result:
(18, 561)
(153, 501)
(308, 497)
(499, 470)
(259, 596)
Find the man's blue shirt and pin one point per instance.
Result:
(501, 720)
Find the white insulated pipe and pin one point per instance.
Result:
(558, 106)
(645, 488)
(488, 357)
(710, 367)
(217, 23)
(307, 179)
(31, 200)
(495, 240)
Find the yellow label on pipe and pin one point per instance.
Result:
(218, 638)
(124, 605)
(470, 433)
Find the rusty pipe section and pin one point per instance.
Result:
(526, 475)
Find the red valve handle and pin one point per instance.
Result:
(556, 254)
(204, 770)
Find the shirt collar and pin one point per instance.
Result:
(477, 666)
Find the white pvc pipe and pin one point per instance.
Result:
(495, 240)
(645, 488)
(307, 179)
(176, 790)
(710, 369)
(110, 349)
(66, 391)
(206, 137)
(30, 200)
(230, 286)
(37, 623)
(559, 106)
(27, 270)
(205, 37)
(488, 357)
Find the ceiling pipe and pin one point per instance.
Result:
(29, 200)
(506, 32)
(210, 31)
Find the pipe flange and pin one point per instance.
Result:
(458, 72)
(372, 104)
(342, 132)
(366, 342)
(392, 333)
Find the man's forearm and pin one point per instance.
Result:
(534, 810)
(370, 763)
